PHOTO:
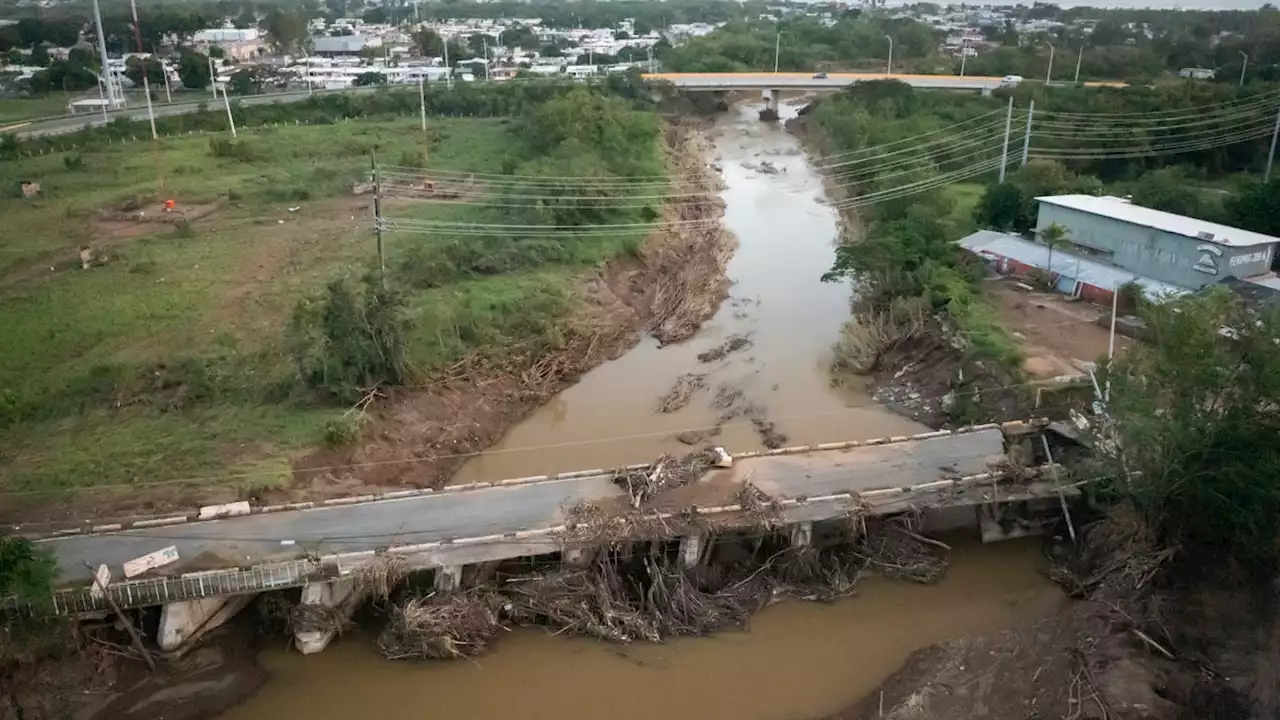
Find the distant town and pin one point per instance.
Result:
(392, 43)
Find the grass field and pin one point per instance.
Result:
(168, 360)
(14, 110)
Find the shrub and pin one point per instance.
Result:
(350, 340)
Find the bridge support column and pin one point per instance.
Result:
(184, 622)
(692, 548)
(448, 578)
(338, 594)
(802, 534)
(770, 111)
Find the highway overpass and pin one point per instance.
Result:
(811, 81)
(689, 81)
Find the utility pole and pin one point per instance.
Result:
(777, 51)
(485, 42)
(1026, 140)
(377, 218)
(102, 81)
(448, 71)
(146, 84)
(1271, 156)
(102, 54)
(226, 102)
(422, 102)
(1243, 67)
(1079, 59)
(213, 80)
(889, 67)
(1004, 152)
(168, 96)
(1048, 74)
(964, 55)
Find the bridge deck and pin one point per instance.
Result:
(274, 550)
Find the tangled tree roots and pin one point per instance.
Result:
(646, 600)
(379, 576)
(666, 472)
(1118, 557)
(891, 548)
(461, 625)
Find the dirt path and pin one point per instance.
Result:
(1059, 336)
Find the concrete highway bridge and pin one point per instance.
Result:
(222, 562)
(828, 81)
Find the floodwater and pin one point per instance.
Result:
(786, 237)
(799, 660)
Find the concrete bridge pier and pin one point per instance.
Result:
(770, 111)
(340, 594)
(184, 622)
(692, 550)
(448, 578)
(802, 534)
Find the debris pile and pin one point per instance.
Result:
(764, 511)
(685, 387)
(890, 547)
(665, 473)
(643, 599)
(733, 344)
(459, 625)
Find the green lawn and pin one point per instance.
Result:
(14, 110)
(168, 361)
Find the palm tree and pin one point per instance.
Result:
(1053, 236)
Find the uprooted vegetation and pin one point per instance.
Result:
(628, 592)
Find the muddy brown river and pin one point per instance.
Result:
(799, 660)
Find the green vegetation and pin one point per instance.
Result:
(196, 348)
(26, 571)
(1196, 416)
(855, 41)
(905, 255)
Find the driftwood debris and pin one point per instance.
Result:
(460, 625)
(666, 472)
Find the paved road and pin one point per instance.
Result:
(257, 538)
(72, 123)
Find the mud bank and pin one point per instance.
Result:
(100, 680)
(1186, 654)
(421, 437)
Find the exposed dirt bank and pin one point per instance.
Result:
(419, 438)
(1148, 637)
(96, 682)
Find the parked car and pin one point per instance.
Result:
(820, 76)
(1011, 80)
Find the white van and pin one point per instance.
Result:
(1011, 80)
